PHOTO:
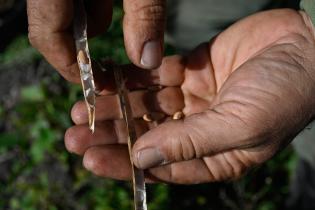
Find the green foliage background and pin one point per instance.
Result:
(38, 173)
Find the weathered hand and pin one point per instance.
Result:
(50, 31)
(245, 95)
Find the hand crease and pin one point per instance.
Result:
(211, 174)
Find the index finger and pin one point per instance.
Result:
(50, 31)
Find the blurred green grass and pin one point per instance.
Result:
(38, 172)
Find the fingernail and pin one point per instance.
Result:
(151, 55)
(149, 157)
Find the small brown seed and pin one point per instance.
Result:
(153, 116)
(178, 115)
(82, 57)
(147, 118)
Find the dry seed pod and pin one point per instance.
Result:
(178, 115)
(82, 57)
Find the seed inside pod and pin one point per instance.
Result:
(153, 116)
(147, 118)
(178, 115)
(82, 57)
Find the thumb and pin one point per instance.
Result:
(143, 25)
(196, 136)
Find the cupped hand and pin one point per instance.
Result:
(50, 31)
(245, 95)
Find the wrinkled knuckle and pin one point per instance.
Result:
(153, 12)
(33, 11)
(34, 24)
(147, 13)
(184, 148)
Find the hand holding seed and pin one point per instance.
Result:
(244, 95)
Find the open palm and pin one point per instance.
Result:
(245, 95)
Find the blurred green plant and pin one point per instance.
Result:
(19, 50)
